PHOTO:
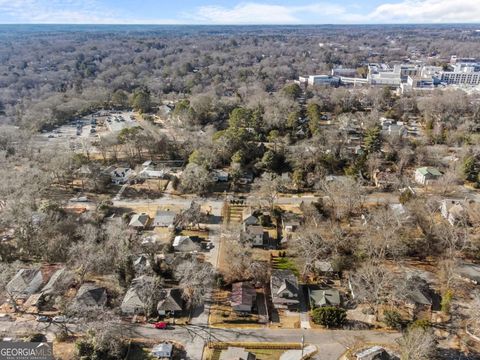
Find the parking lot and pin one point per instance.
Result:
(84, 131)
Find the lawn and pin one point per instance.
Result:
(64, 350)
(285, 263)
(222, 315)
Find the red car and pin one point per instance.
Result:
(162, 325)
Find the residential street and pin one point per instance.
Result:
(331, 343)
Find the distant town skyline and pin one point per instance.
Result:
(238, 12)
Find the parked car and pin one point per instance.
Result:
(161, 325)
(60, 319)
(42, 318)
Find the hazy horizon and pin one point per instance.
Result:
(237, 12)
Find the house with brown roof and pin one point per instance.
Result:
(243, 297)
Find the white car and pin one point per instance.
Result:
(60, 319)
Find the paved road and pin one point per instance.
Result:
(331, 343)
(216, 203)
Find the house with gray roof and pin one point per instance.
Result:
(163, 351)
(134, 301)
(255, 235)
(373, 353)
(171, 302)
(141, 264)
(61, 279)
(185, 244)
(323, 297)
(248, 218)
(164, 219)
(469, 272)
(139, 221)
(284, 289)
(236, 353)
(90, 295)
(417, 295)
(25, 283)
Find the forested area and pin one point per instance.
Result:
(48, 75)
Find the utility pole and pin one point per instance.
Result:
(303, 344)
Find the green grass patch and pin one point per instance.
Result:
(285, 263)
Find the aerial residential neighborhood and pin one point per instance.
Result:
(193, 192)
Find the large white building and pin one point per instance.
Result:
(383, 75)
(323, 80)
(405, 76)
(464, 73)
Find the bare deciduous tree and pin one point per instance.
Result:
(376, 283)
(346, 196)
(417, 344)
(195, 279)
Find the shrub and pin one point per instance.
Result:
(420, 324)
(329, 316)
(447, 301)
(405, 196)
(393, 319)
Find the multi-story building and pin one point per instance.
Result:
(382, 74)
(323, 80)
(429, 71)
(406, 70)
(405, 76)
(461, 78)
(344, 72)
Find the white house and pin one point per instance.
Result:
(219, 176)
(163, 351)
(452, 210)
(149, 173)
(184, 244)
(427, 175)
(392, 127)
(121, 175)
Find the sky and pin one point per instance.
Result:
(238, 12)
